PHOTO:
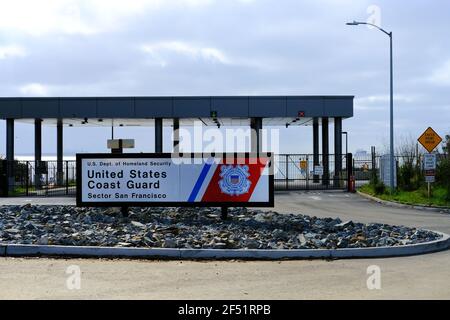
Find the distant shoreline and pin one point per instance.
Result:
(46, 157)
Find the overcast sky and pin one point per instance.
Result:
(232, 47)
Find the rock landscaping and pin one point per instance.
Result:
(194, 228)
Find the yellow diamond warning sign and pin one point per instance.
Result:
(429, 139)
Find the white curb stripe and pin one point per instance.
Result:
(17, 250)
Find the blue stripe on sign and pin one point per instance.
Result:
(199, 182)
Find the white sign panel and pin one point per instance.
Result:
(165, 180)
(318, 170)
(429, 161)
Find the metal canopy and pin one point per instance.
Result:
(224, 122)
(138, 111)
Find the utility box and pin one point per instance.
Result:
(385, 170)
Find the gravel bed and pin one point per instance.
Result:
(194, 228)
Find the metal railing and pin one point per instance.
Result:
(291, 172)
(38, 178)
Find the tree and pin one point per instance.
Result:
(446, 145)
(443, 167)
(409, 175)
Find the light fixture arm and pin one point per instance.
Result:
(355, 23)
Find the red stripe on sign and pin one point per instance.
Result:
(234, 181)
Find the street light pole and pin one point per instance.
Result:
(392, 119)
(391, 131)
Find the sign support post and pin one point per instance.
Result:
(116, 147)
(224, 214)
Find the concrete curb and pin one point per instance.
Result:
(17, 250)
(403, 205)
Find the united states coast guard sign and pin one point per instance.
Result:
(232, 180)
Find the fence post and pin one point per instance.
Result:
(396, 172)
(287, 172)
(349, 171)
(307, 172)
(374, 164)
(27, 176)
(67, 177)
(46, 181)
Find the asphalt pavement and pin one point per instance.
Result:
(417, 277)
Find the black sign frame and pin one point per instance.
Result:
(81, 156)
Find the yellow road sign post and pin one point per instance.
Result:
(430, 140)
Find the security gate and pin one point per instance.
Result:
(291, 172)
(296, 172)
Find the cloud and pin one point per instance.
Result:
(234, 47)
(163, 51)
(34, 89)
(42, 17)
(11, 51)
(379, 101)
(85, 17)
(441, 75)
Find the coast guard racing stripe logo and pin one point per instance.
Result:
(234, 180)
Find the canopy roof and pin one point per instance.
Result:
(135, 111)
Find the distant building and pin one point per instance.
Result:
(360, 153)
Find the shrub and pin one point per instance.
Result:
(379, 188)
(443, 175)
(409, 177)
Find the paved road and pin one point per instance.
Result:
(350, 206)
(418, 277)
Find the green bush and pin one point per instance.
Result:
(409, 177)
(379, 188)
(443, 175)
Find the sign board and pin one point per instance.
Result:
(429, 139)
(163, 179)
(385, 170)
(429, 161)
(303, 164)
(430, 175)
(120, 143)
(318, 170)
(303, 167)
